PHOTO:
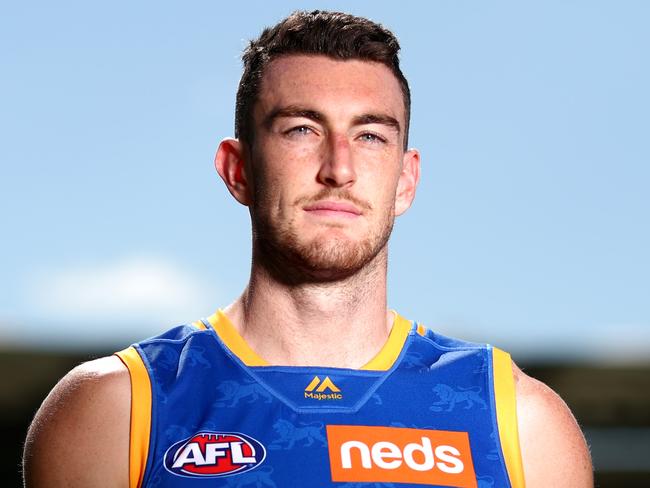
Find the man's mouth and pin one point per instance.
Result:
(332, 208)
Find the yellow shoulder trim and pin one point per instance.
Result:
(233, 341)
(422, 330)
(388, 354)
(140, 414)
(505, 399)
(199, 325)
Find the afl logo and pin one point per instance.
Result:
(214, 454)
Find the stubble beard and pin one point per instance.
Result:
(328, 256)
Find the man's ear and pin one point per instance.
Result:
(408, 181)
(229, 162)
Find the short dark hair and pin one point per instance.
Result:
(333, 34)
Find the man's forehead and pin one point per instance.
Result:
(308, 80)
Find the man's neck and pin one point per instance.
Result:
(338, 324)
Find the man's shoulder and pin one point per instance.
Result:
(549, 436)
(89, 383)
(86, 413)
(85, 389)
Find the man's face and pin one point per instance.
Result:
(326, 166)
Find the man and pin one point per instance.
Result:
(308, 379)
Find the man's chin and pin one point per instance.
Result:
(329, 270)
(333, 259)
(324, 255)
(318, 261)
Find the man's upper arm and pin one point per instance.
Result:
(80, 435)
(553, 449)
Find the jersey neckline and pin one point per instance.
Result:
(382, 361)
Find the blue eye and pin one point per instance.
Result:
(370, 137)
(300, 130)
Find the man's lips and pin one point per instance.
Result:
(333, 209)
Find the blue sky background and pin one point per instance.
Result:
(530, 229)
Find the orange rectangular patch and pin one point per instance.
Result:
(400, 455)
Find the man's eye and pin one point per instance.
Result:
(299, 130)
(370, 137)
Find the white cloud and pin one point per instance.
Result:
(130, 290)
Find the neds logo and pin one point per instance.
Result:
(400, 455)
(213, 454)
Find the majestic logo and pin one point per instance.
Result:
(399, 455)
(214, 454)
(316, 389)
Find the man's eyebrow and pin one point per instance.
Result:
(382, 119)
(297, 111)
(293, 111)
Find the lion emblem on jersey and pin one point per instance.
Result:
(233, 392)
(194, 356)
(449, 397)
(414, 360)
(289, 434)
(168, 357)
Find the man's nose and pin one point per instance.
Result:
(337, 166)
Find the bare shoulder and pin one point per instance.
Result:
(553, 448)
(84, 418)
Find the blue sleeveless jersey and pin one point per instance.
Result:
(426, 411)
